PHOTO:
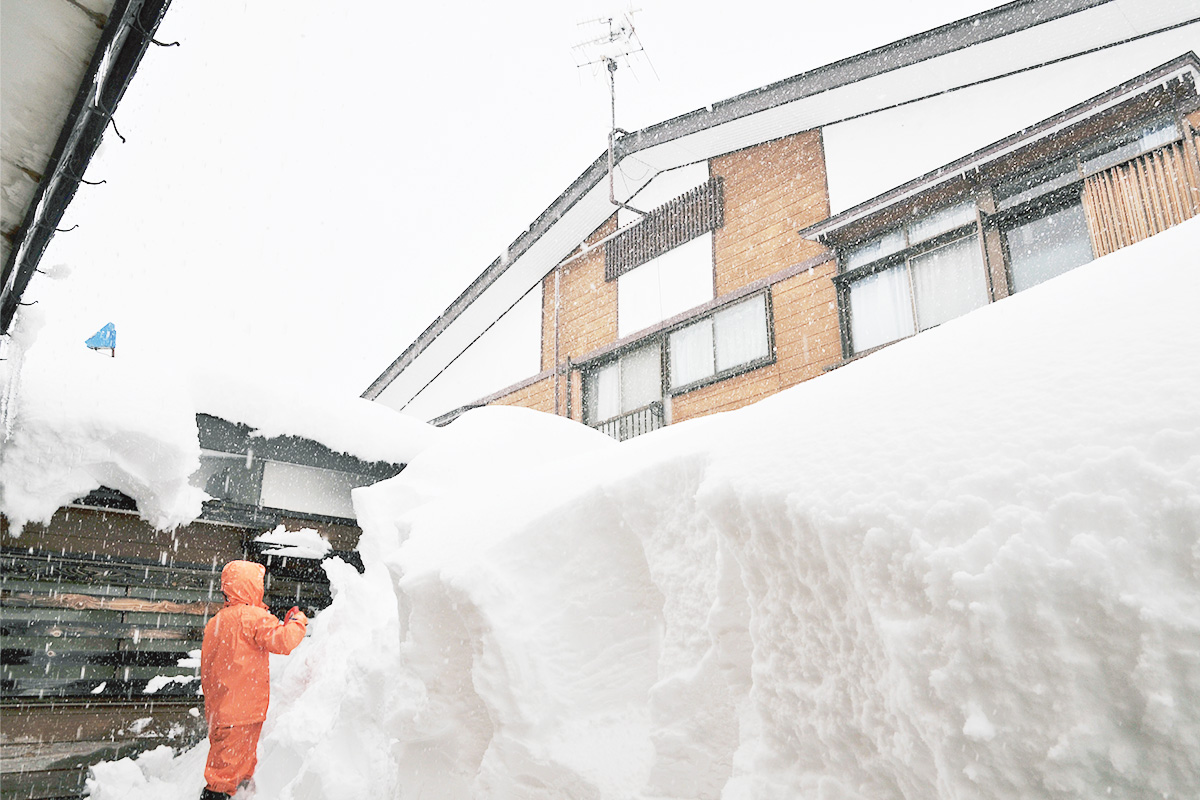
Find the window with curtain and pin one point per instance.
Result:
(731, 339)
(630, 382)
(881, 308)
(948, 281)
(1045, 246)
(923, 276)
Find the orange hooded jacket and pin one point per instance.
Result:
(234, 668)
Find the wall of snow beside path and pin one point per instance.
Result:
(79, 420)
(967, 566)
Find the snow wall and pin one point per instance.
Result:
(967, 566)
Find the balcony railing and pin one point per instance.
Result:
(634, 423)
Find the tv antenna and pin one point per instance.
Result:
(620, 42)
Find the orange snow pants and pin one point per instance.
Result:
(232, 756)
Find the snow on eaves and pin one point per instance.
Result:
(88, 421)
(345, 424)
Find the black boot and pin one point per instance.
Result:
(209, 794)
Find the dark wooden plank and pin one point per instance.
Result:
(99, 589)
(87, 602)
(73, 570)
(96, 690)
(82, 628)
(113, 657)
(101, 534)
(43, 784)
(55, 720)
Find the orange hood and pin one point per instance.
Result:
(242, 583)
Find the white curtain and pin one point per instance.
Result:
(880, 309)
(1048, 246)
(604, 393)
(641, 378)
(948, 282)
(691, 352)
(741, 333)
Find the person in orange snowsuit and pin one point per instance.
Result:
(235, 676)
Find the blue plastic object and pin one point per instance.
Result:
(106, 337)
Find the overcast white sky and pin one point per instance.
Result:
(306, 185)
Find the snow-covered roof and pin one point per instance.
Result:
(83, 421)
(64, 66)
(359, 428)
(1015, 37)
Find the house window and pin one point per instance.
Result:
(731, 340)
(623, 385)
(881, 308)
(310, 490)
(676, 281)
(914, 277)
(948, 281)
(1133, 143)
(232, 477)
(1037, 184)
(1046, 243)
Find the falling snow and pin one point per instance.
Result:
(966, 566)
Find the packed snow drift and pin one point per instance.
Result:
(967, 566)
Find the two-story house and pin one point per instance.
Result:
(786, 230)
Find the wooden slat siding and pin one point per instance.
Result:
(1190, 166)
(676, 222)
(66, 632)
(1143, 196)
(83, 720)
(114, 535)
(83, 601)
(47, 746)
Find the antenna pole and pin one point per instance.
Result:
(621, 41)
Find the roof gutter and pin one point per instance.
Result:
(123, 43)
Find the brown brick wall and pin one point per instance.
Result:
(771, 191)
(807, 342)
(538, 396)
(587, 305)
(1194, 119)
(807, 338)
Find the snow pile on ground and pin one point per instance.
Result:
(88, 420)
(967, 566)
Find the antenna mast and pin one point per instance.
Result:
(621, 41)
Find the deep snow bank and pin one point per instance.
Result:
(967, 566)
